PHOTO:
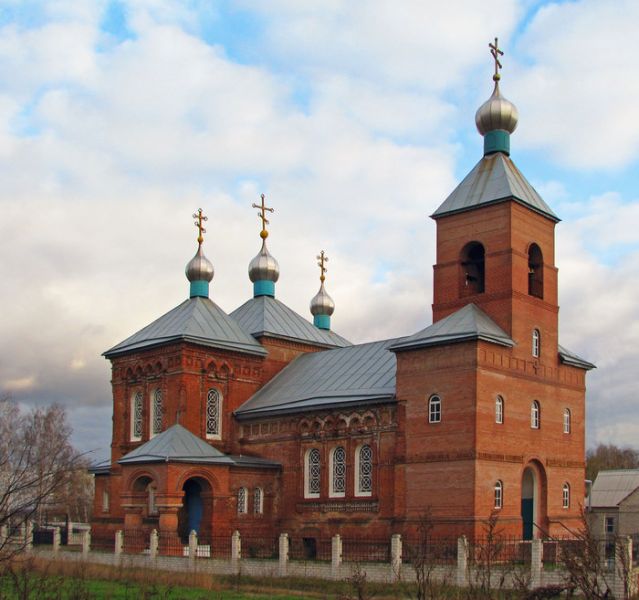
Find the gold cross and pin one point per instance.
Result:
(200, 217)
(262, 215)
(496, 52)
(322, 259)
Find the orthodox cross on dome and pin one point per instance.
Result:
(322, 258)
(262, 215)
(496, 52)
(199, 215)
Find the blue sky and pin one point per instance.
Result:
(119, 119)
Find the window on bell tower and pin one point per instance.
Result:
(472, 269)
(535, 271)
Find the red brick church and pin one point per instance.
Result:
(261, 421)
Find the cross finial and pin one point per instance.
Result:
(322, 258)
(262, 215)
(496, 52)
(199, 215)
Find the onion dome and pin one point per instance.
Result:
(322, 305)
(199, 270)
(264, 271)
(496, 118)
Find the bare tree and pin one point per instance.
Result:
(37, 462)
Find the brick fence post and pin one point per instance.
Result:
(119, 543)
(283, 554)
(461, 578)
(236, 550)
(396, 556)
(154, 542)
(336, 556)
(536, 562)
(56, 540)
(192, 545)
(86, 543)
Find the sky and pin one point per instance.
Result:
(356, 119)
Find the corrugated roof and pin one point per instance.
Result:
(267, 316)
(197, 320)
(570, 358)
(178, 444)
(331, 378)
(494, 178)
(611, 487)
(468, 323)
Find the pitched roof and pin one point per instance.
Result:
(612, 487)
(494, 178)
(266, 316)
(570, 358)
(468, 323)
(197, 320)
(177, 444)
(331, 378)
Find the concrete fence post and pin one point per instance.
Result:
(192, 545)
(4, 536)
(336, 556)
(396, 556)
(283, 554)
(154, 542)
(461, 578)
(86, 543)
(119, 543)
(28, 536)
(56, 540)
(624, 587)
(536, 562)
(236, 550)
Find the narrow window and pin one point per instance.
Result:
(152, 507)
(156, 413)
(534, 415)
(499, 410)
(136, 417)
(536, 343)
(610, 524)
(312, 473)
(472, 269)
(535, 271)
(567, 420)
(434, 409)
(213, 405)
(338, 472)
(566, 496)
(499, 494)
(364, 471)
(241, 501)
(105, 501)
(258, 501)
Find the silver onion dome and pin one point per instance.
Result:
(322, 303)
(199, 268)
(496, 113)
(264, 267)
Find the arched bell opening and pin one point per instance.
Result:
(535, 271)
(472, 269)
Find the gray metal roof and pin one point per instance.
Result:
(266, 316)
(178, 444)
(612, 487)
(197, 320)
(570, 358)
(100, 468)
(331, 378)
(468, 323)
(494, 178)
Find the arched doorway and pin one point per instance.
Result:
(195, 513)
(528, 502)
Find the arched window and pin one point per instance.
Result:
(434, 409)
(534, 415)
(213, 413)
(499, 494)
(312, 473)
(499, 410)
(241, 501)
(536, 343)
(105, 501)
(364, 471)
(472, 269)
(258, 501)
(535, 271)
(156, 412)
(566, 496)
(136, 417)
(337, 488)
(567, 420)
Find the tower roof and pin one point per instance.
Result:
(197, 320)
(468, 323)
(495, 178)
(267, 316)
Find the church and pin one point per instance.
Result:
(264, 422)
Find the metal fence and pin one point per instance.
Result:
(499, 550)
(259, 547)
(366, 550)
(432, 550)
(309, 548)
